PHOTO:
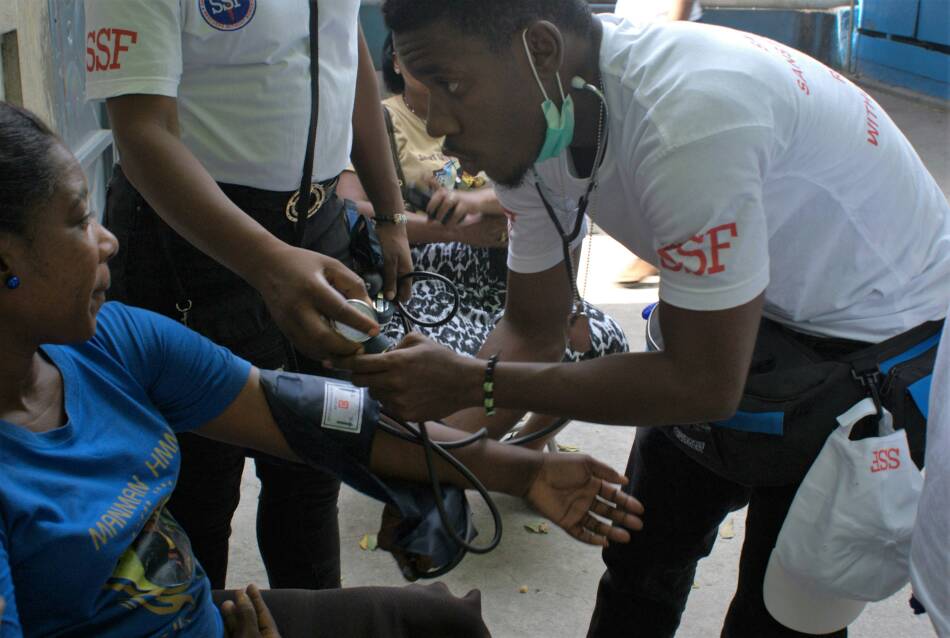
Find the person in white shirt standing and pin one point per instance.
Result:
(210, 103)
(800, 238)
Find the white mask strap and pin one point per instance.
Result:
(524, 38)
(560, 87)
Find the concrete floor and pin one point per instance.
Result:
(560, 574)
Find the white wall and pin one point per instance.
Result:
(30, 20)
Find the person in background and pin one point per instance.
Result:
(463, 235)
(658, 10)
(91, 397)
(639, 272)
(210, 105)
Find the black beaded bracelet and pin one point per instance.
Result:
(488, 387)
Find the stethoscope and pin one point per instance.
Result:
(583, 203)
(417, 432)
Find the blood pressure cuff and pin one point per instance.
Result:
(796, 388)
(331, 424)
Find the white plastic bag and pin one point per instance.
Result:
(846, 538)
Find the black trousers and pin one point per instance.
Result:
(689, 478)
(297, 528)
(373, 612)
(643, 592)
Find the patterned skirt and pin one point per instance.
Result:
(481, 277)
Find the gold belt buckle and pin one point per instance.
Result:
(317, 193)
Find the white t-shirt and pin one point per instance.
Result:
(240, 70)
(930, 550)
(738, 165)
(651, 10)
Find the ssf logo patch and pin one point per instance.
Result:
(227, 15)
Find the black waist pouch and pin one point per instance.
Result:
(797, 387)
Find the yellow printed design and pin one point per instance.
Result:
(473, 181)
(450, 175)
(158, 569)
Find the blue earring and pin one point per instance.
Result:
(13, 282)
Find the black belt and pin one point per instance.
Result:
(320, 193)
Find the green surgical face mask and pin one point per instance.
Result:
(560, 124)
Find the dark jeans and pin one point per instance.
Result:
(690, 477)
(373, 612)
(643, 592)
(297, 528)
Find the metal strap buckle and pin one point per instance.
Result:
(318, 195)
(184, 308)
(868, 374)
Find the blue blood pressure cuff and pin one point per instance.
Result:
(330, 424)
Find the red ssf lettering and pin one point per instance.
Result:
(886, 459)
(703, 257)
(108, 43)
(717, 246)
(668, 259)
(343, 404)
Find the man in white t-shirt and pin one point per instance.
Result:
(774, 195)
(210, 103)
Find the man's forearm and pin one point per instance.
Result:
(642, 389)
(698, 377)
(511, 345)
(185, 195)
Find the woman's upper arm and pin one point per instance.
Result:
(132, 115)
(247, 422)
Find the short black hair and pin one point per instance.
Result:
(393, 81)
(28, 171)
(494, 20)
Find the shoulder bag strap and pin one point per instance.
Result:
(391, 130)
(303, 200)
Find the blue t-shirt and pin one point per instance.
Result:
(86, 546)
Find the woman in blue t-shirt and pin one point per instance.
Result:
(91, 397)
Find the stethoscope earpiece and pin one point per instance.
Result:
(580, 84)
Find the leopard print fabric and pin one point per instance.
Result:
(481, 276)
